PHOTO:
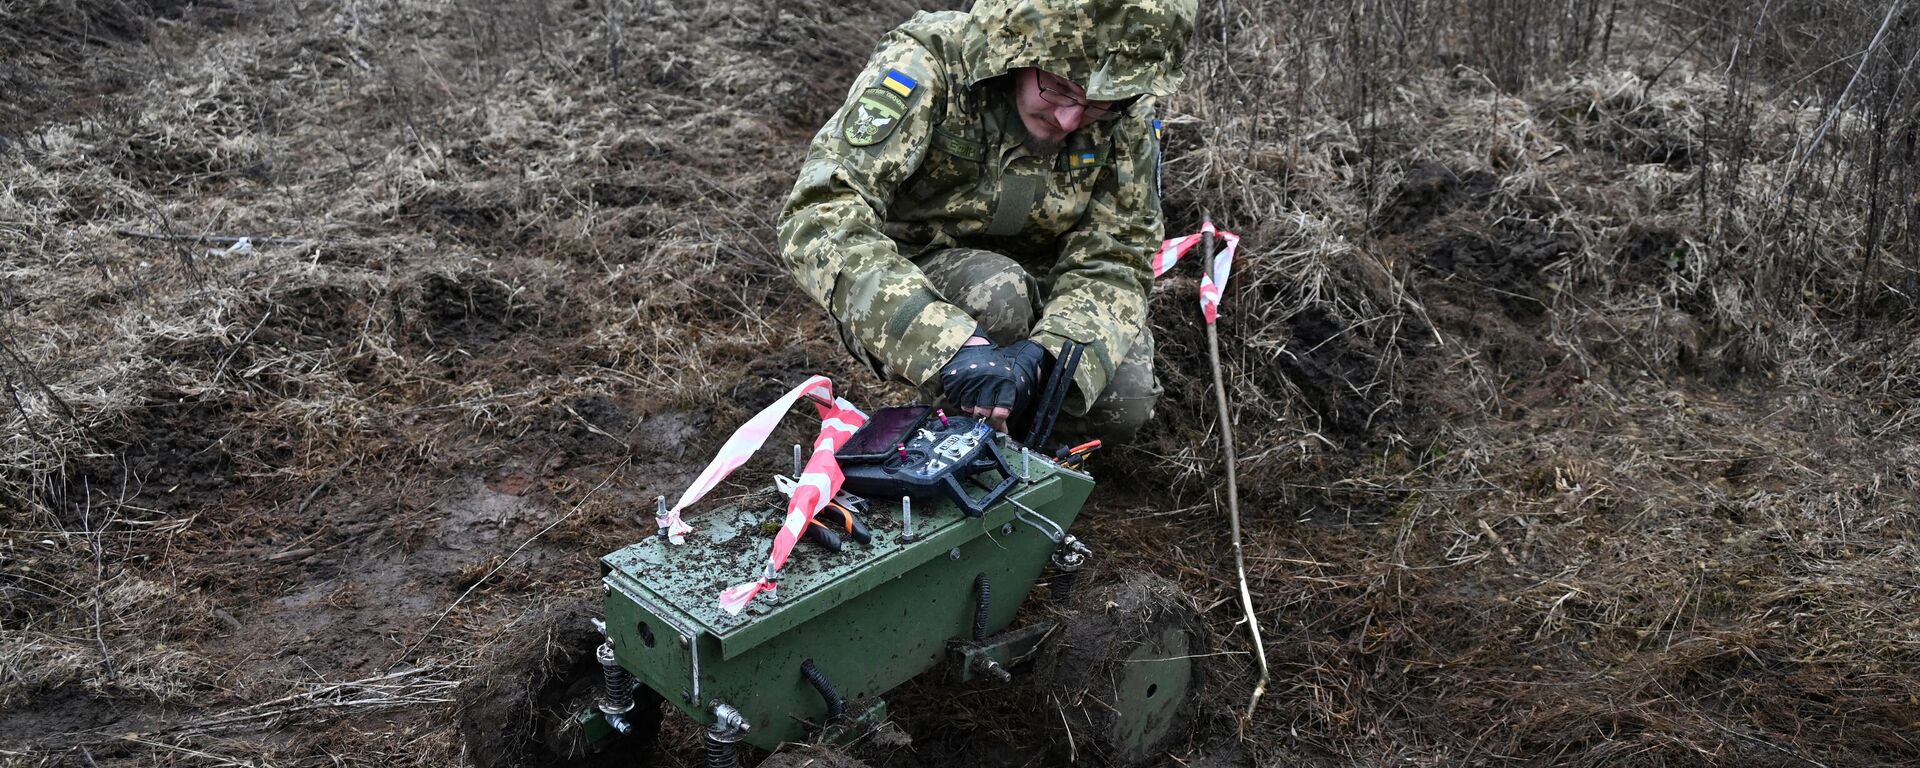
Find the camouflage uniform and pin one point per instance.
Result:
(925, 160)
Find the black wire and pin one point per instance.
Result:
(985, 588)
(835, 704)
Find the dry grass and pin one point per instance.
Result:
(1567, 459)
(1575, 376)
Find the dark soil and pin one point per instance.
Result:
(1505, 271)
(467, 311)
(177, 457)
(1429, 191)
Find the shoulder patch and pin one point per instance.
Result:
(875, 116)
(899, 83)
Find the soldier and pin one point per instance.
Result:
(990, 191)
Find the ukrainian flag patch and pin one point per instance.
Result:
(1156, 130)
(1079, 160)
(899, 83)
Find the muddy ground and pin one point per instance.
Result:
(1575, 382)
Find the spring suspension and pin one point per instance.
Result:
(985, 588)
(723, 737)
(1060, 589)
(617, 696)
(1068, 559)
(818, 679)
(721, 754)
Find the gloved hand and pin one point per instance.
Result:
(1028, 360)
(979, 381)
(993, 382)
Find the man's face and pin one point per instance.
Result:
(1048, 123)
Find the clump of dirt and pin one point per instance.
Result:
(1504, 268)
(53, 46)
(770, 376)
(467, 310)
(470, 216)
(1625, 125)
(314, 317)
(1329, 365)
(596, 424)
(1650, 253)
(1430, 190)
(674, 432)
(177, 457)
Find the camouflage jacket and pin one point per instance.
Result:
(925, 154)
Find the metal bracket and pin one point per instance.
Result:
(1072, 555)
(1003, 651)
(861, 718)
(595, 726)
(729, 725)
(1046, 525)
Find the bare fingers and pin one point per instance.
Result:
(999, 418)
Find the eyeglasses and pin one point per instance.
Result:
(1060, 98)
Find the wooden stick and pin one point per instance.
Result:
(1233, 485)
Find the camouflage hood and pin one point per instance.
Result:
(1116, 49)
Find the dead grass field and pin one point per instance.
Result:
(1573, 352)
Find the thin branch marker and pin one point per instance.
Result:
(1233, 489)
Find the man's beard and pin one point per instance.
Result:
(1042, 147)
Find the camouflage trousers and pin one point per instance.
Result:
(1004, 298)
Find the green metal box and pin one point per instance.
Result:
(870, 617)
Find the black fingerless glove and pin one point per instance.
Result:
(979, 376)
(1027, 359)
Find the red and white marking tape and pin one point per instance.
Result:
(818, 484)
(744, 441)
(821, 480)
(1213, 278)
